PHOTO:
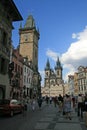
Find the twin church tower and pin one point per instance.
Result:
(53, 77)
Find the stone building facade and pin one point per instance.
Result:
(71, 84)
(27, 79)
(76, 87)
(82, 79)
(77, 83)
(16, 84)
(7, 16)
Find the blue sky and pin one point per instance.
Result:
(63, 31)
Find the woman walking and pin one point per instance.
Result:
(39, 102)
(67, 106)
(33, 103)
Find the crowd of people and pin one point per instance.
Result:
(66, 104)
(63, 103)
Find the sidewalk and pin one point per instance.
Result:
(52, 120)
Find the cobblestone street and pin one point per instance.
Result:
(48, 118)
(52, 120)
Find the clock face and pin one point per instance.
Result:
(27, 37)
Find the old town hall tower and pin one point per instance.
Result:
(28, 47)
(29, 37)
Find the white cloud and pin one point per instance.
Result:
(53, 55)
(76, 54)
(74, 35)
(80, 35)
(70, 70)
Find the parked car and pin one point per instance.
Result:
(10, 107)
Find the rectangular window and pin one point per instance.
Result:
(4, 37)
(25, 69)
(3, 65)
(24, 79)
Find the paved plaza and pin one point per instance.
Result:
(46, 118)
(53, 120)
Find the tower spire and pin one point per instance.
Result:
(30, 22)
(47, 65)
(58, 64)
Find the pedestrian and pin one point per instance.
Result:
(50, 99)
(85, 102)
(60, 102)
(47, 99)
(80, 105)
(33, 103)
(85, 109)
(67, 106)
(73, 101)
(55, 99)
(39, 102)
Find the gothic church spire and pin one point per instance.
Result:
(58, 64)
(47, 65)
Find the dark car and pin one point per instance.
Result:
(10, 107)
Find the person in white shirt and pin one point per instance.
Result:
(33, 103)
